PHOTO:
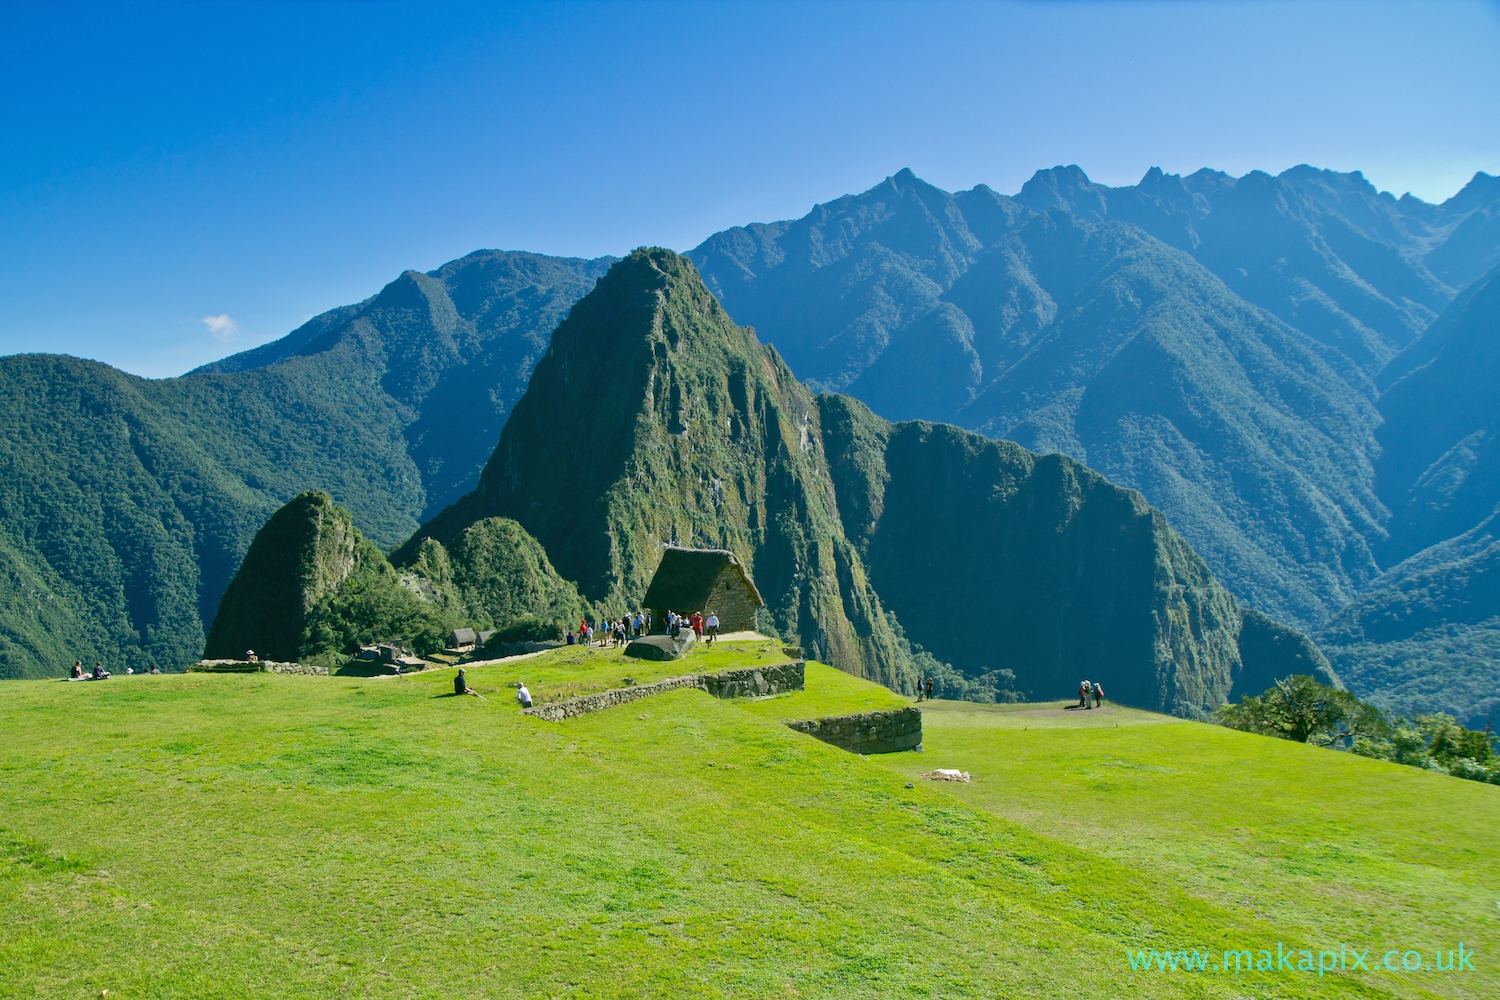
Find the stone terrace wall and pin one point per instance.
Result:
(727, 684)
(870, 732)
(259, 667)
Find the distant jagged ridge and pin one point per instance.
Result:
(1040, 319)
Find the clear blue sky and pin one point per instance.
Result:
(163, 164)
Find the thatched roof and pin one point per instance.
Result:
(685, 579)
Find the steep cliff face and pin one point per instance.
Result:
(304, 552)
(654, 420)
(995, 557)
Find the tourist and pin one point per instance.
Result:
(713, 627)
(100, 674)
(919, 690)
(523, 696)
(1084, 691)
(251, 657)
(929, 689)
(460, 683)
(77, 670)
(698, 624)
(155, 669)
(1098, 695)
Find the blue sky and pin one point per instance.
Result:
(181, 182)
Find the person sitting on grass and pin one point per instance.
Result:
(523, 696)
(100, 674)
(77, 674)
(461, 685)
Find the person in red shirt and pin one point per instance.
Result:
(697, 624)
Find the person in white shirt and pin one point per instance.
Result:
(523, 696)
(713, 627)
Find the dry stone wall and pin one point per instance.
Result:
(744, 682)
(258, 667)
(869, 732)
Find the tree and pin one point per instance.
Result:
(1299, 708)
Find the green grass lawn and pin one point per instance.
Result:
(266, 836)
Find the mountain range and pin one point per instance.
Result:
(1258, 356)
(654, 420)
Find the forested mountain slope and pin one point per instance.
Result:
(1427, 635)
(1439, 466)
(453, 349)
(126, 504)
(1095, 340)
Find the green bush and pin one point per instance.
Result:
(529, 628)
(1301, 709)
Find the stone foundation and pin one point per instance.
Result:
(746, 681)
(870, 732)
(259, 667)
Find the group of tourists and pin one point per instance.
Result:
(701, 626)
(79, 673)
(924, 689)
(1090, 695)
(619, 631)
(461, 687)
(610, 632)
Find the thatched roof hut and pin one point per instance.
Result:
(712, 581)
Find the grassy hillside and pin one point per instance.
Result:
(206, 836)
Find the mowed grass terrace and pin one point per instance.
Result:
(265, 836)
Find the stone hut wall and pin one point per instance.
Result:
(731, 602)
(869, 732)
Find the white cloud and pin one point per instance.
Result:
(221, 326)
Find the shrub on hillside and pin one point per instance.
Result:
(372, 606)
(529, 628)
(1301, 709)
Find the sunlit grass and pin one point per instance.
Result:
(266, 836)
